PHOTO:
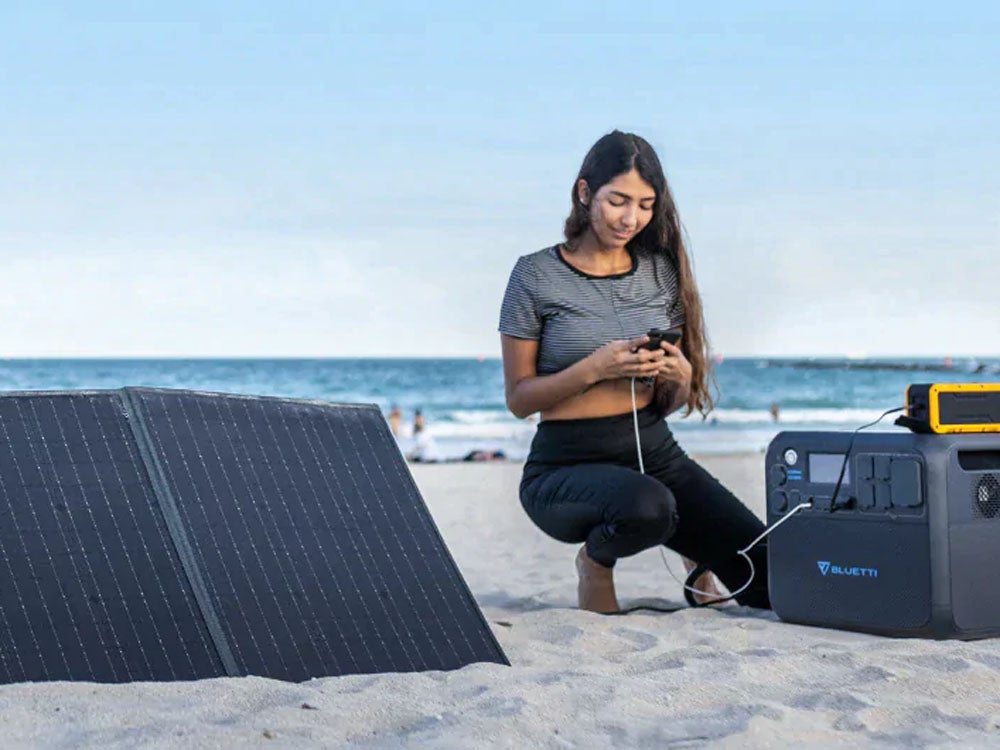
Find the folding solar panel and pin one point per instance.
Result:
(154, 534)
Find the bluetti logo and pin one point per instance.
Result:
(836, 570)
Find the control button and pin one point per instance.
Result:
(866, 495)
(791, 457)
(904, 488)
(864, 466)
(778, 475)
(883, 500)
(779, 501)
(881, 467)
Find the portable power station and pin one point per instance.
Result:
(910, 545)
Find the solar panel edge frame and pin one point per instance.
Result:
(384, 428)
(176, 530)
(252, 397)
(64, 392)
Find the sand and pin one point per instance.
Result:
(733, 677)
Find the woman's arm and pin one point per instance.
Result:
(528, 392)
(679, 398)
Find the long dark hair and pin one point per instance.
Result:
(616, 154)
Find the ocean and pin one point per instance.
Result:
(462, 400)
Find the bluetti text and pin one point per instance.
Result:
(836, 570)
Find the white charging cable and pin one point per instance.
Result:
(743, 552)
(635, 422)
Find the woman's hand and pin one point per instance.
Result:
(626, 359)
(674, 368)
(673, 380)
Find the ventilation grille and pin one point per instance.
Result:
(986, 496)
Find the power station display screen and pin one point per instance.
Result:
(824, 468)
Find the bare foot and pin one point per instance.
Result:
(596, 589)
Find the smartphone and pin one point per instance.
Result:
(656, 335)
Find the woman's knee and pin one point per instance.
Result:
(567, 504)
(651, 510)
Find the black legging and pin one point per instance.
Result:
(581, 483)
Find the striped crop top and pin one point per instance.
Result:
(571, 313)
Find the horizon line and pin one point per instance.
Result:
(466, 357)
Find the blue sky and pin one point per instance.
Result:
(244, 179)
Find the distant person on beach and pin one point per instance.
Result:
(485, 455)
(775, 411)
(424, 450)
(573, 323)
(418, 422)
(395, 419)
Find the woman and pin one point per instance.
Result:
(573, 324)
